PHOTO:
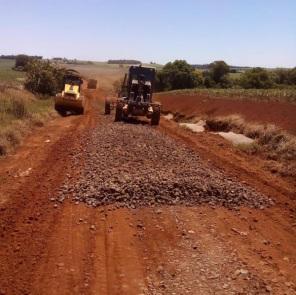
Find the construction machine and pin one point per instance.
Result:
(70, 100)
(135, 96)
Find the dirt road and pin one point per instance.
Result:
(89, 206)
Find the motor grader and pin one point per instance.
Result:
(135, 96)
(70, 100)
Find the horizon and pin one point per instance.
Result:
(249, 33)
(146, 63)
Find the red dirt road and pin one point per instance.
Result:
(74, 249)
(281, 114)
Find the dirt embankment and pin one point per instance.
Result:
(281, 114)
(193, 240)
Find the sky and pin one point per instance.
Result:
(240, 32)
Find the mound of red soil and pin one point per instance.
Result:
(282, 114)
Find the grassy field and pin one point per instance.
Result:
(9, 75)
(288, 95)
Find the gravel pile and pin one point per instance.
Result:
(134, 165)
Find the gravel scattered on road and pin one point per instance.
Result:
(135, 165)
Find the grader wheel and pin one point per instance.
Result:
(155, 117)
(107, 107)
(118, 112)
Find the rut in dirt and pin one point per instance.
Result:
(135, 165)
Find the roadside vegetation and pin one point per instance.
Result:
(180, 75)
(20, 111)
(26, 103)
(271, 143)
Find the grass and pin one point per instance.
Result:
(9, 75)
(274, 144)
(279, 95)
(20, 111)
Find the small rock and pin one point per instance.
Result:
(242, 233)
(158, 211)
(268, 288)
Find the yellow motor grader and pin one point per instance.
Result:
(70, 100)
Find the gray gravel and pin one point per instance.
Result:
(134, 165)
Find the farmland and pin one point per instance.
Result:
(9, 75)
(279, 95)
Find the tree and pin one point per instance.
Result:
(176, 75)
(218, 71)
(21, 61)
(256, 78)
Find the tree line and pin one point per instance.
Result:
(181, 75)
(123, 62)
(12, 56)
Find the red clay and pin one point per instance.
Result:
(282, 114)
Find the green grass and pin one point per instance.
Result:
(287, 95)
(9, 75)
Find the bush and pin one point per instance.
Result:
(44, 77)
(208, 81)
(256, 78)
(176, 75)
(292, 76)
(22, 60)
(281, 76)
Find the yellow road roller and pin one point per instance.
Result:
(70, 100)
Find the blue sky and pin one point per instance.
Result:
(241, 32)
